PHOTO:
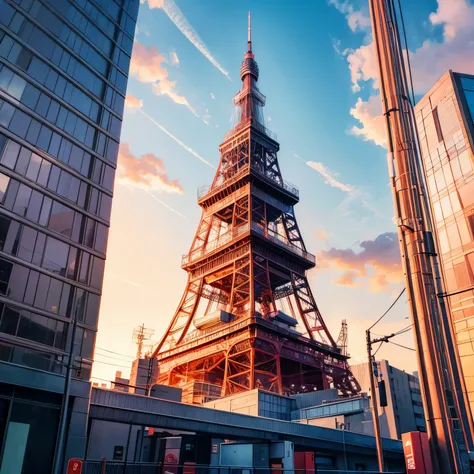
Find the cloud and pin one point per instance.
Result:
(147, 66)
(177, 140)
(174, 60)
(146, 172)
(213, 97)
(356, 19)
(378, 264)
(321, 234)
(369, 114)
(131, 102)
(177, 17)
(348, 278)
(329, 176)
(429, 62)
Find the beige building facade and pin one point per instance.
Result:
(445, 121)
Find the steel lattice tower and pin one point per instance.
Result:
(248, 318)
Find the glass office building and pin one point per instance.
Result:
(445, 120)
(63, 75)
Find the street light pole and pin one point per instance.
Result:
(375, 410)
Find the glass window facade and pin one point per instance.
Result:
(445, 120)
(63, 76)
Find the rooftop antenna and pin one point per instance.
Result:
(249, 39)
(141, 334)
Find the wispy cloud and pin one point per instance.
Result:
(321, 234)
(147, 66)
(353, 194)
(179, 19)
(328, 175)
(177, 140)
(146, 172)
(356, 19)
(213, 97)
(165, 205)
(174, 60)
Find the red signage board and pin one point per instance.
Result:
(417, 453)
(74, 466)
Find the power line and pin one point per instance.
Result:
(378, 348)
(390, 307)
(112, 352)
(114, 365)
(120, 358)
(400, 345)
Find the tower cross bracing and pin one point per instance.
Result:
(248, 318)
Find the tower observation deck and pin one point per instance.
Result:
(248, 318)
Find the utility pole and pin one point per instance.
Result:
(375, 410)
(444, 408)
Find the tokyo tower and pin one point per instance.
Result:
(248, 318)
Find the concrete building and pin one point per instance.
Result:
(63, 75)
(445, 121)
(404, 410)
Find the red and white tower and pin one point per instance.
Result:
(248, 318)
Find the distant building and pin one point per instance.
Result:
(143, 373)
(445, 120)
(64, 66)
(404, 410)
(120, 383)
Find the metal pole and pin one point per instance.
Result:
(343, 428)
(415, 241)
(58, 454)
(375, 411)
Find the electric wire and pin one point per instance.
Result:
(114, 365)
(378, 348)
(390, 307)
(408, 53)
(112, 352)
(401, 345)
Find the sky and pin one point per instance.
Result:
(318, 72)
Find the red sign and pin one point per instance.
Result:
(74, 466)
(417, 453)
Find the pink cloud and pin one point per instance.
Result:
(378, 263)
(147, 66)
(131, 102)
(147, 172)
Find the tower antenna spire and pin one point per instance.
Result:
(249, 38)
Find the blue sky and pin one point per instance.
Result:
(316, 64)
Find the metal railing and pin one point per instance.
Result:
(120, 467)
(224, 239)
(257, 125)
(282, 242)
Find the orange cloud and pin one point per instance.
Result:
(147, 172)
(147, 66)
(378, 263)
(321, 234)
(131, 102)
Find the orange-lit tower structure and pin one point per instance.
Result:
(248, 318)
